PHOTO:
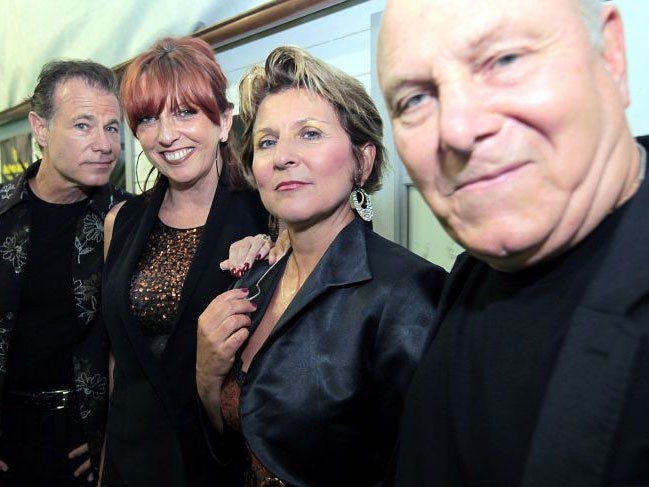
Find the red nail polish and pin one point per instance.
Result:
(244, 289)
(246, 266)
(258, 257)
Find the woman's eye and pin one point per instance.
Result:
(148, 119)
(310, 134)
(186, 112)
(265, 143)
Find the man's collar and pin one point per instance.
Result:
(100, 199)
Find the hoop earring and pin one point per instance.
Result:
(137, 174)
(361, 202)
(146, 180)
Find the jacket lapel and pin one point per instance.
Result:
(211, 238)
(585, 397)
(345, 262)
(132, 257)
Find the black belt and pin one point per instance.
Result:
(42, 400)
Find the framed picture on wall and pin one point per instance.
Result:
(16, 154)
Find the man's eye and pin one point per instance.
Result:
(411, 102)
(112, 129)
(82, 125)
(506, 60)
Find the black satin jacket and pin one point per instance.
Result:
(321, 400)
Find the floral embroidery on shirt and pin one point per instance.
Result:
(85, 296)
(14, 249)
(92, 388)
(6, 190)
(4, 347)
(92, 231)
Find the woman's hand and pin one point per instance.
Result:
(282, 244)
(245, 251)
(222, 329)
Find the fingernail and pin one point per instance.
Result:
(246, 266)
(258, 257)
(253, 304)
(239, 274)
(244, 290)
(233, 272)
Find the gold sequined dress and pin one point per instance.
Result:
(158, 280)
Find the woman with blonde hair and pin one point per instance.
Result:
(306, 362)
(162, 266)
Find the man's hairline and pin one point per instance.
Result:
(89, 83)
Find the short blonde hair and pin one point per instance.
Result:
(290, 67)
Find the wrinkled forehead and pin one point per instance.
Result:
(78, 94)
(417, 31)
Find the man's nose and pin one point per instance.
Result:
(465, 117)
(103, 142)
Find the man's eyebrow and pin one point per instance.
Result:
(92, 118)
(84, 116)
(491, 33)
(397, 85)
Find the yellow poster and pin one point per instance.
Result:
(15, 156)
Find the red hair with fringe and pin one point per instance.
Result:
(183, 72)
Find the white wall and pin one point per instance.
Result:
(33, 32)
(635, 14)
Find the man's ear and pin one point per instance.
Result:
(614, 51)
(366, 162)
(40, 128)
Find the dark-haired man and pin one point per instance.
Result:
(509, 115)
(53, 348)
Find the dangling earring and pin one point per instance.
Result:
(360, 201)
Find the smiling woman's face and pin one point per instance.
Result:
(303, 161)
(182, 143)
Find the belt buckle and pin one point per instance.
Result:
(272, 482)
(60, 396)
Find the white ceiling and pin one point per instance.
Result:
(33, 32)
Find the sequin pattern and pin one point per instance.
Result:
(158, 280)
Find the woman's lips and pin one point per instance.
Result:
(289, 185)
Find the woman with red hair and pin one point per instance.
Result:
(162, 264)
